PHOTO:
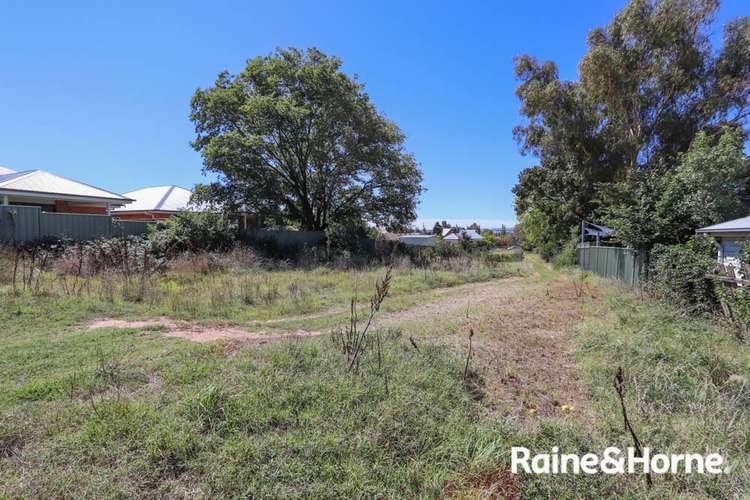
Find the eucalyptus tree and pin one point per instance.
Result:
(649, 84)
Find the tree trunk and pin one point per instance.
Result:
(309, 222)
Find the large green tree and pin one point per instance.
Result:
(649, 83)
(298, 141)
(709, 184)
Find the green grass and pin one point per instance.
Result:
(126, 413)
(680, 372)
(257, 294)
(106, 413)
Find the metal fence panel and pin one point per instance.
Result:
(613, 262)
(284, 239)
(129, 227)
(19, 224)
(77, 227)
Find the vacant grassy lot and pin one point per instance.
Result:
(131, 412)
(237, 288)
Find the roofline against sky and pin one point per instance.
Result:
(62, 196)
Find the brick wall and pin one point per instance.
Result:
(66, 207)
(142, 216)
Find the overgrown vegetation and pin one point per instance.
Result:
(193, 232)
(144, 414)
(688, 389)
(127, 412)
(679, 275)
(129, 275)
(286, 420)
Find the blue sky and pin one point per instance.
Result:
(99, 91)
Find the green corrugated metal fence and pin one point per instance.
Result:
(76, 227)
(613, 262)
(129, 227)
(19, 224)
(284, 239)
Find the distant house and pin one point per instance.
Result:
(731, 236)
(418, 240)
(470, 234)
(54, 193)
(161, 202)
(155, 203)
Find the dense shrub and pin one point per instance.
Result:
(194, 231)
(446, 250)
(566, 257)
(269, 247)
(678, 274)
(735, 307)
(502, 257)
(349, 237)
(475, 245)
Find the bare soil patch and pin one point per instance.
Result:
(195, 332)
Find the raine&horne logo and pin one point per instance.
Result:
(614, 461)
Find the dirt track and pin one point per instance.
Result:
(448, 301)
(524, 331)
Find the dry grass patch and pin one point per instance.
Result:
(524, 355)
(488, 484)
(525, 333)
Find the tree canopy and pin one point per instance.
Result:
(295, 140)
(638, 128)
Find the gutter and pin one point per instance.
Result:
(64, 197)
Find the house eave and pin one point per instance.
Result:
(64, 197)
(146, 211)
(725, 232)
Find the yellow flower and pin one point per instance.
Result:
(567, 408)
(532, 412)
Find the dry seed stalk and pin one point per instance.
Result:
(620, 388)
